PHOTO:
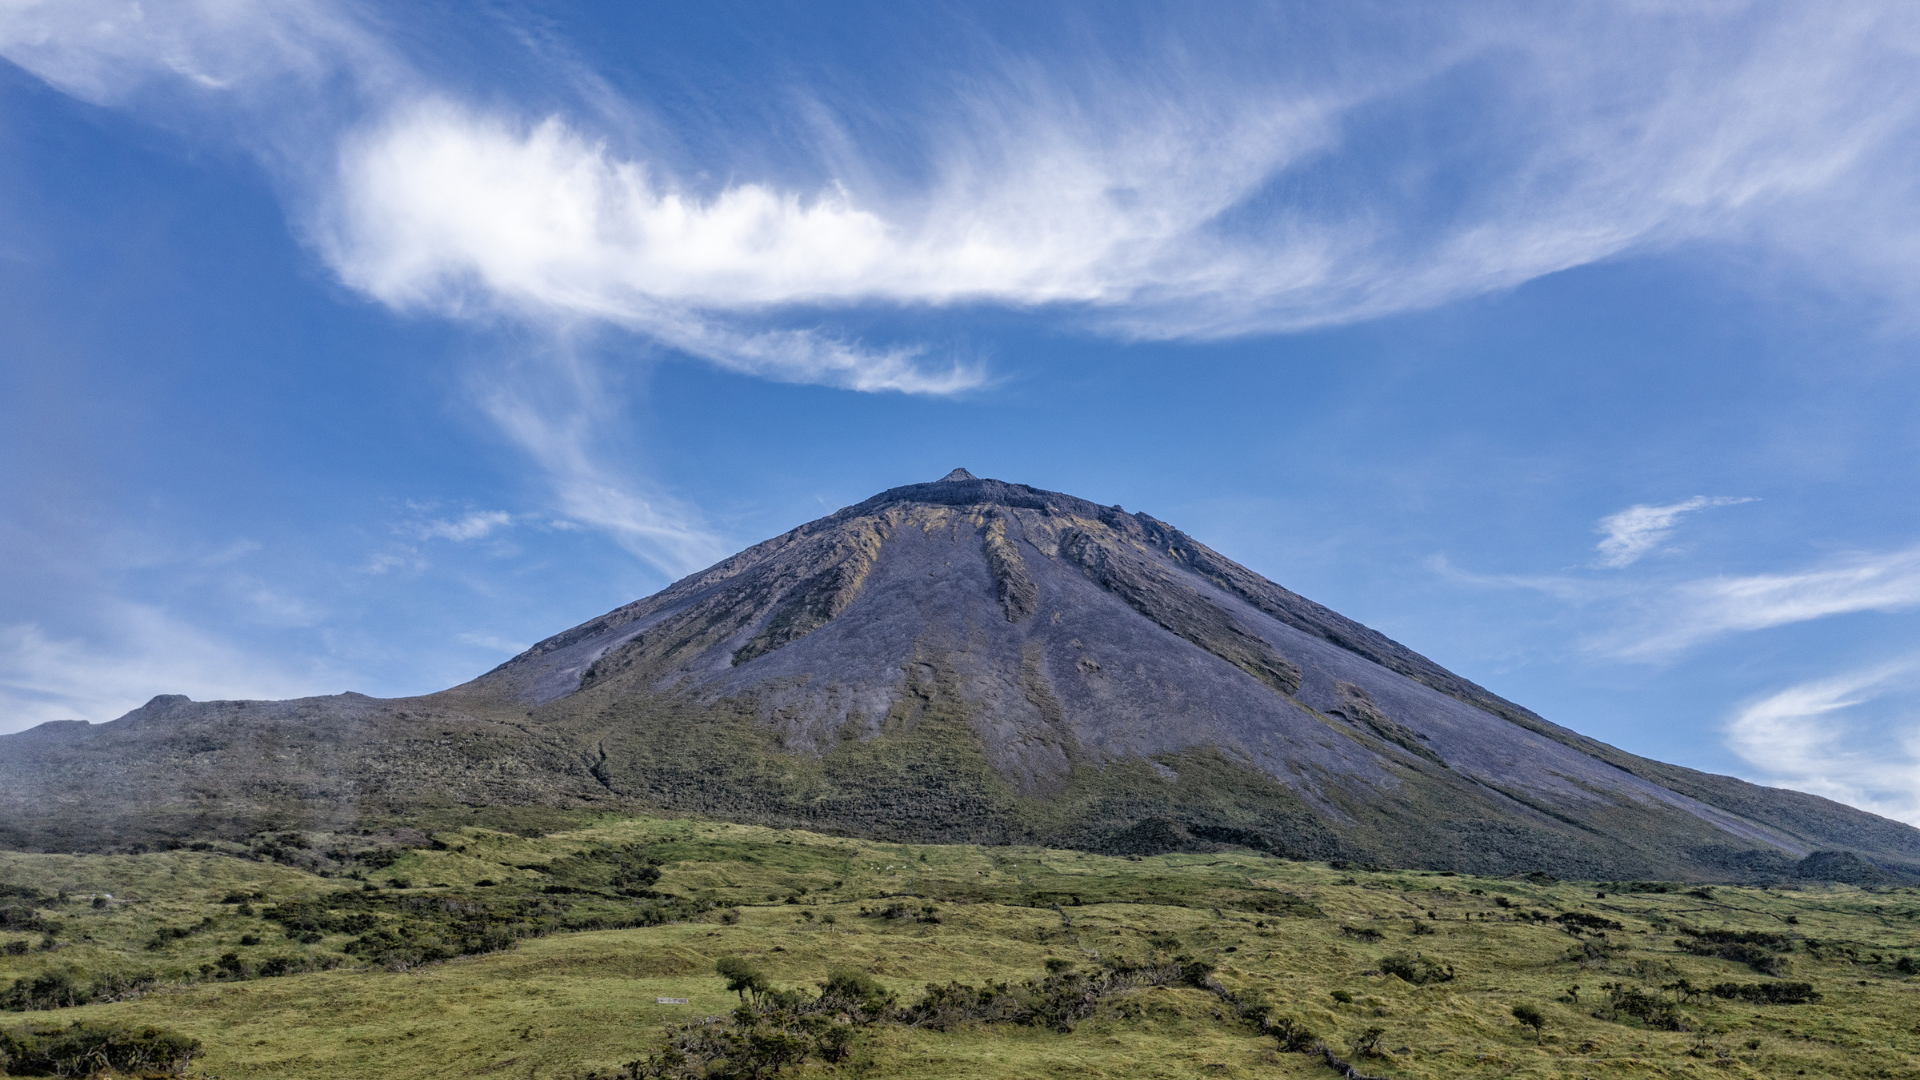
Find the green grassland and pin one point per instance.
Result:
(560, 945)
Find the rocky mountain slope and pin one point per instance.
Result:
(964, 660)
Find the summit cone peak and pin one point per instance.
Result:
(964, 660)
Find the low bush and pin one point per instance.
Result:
(86, 1049)
(23, 919)
(1581, 920)
(1757, 949)
(1779, 993)
(1416, 969)
(773, 1029)
(167, 935)
(1636, 1004)
(1531, 1016)
(61, 990)
(924, 913)
(405, 931)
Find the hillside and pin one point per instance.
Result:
(961, 661)
(1178, 962)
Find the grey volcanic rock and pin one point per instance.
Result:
(964, 659)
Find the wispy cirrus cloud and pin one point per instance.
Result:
(1170, 204)
(1654, 619)
(475, 525)
(1679, 617)
(1191, 188)
(1216, 176)
(1803, 737)
(1639, 529)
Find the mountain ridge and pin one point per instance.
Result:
(963, 659)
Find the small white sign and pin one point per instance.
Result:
(670, 1001)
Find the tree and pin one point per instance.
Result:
(1532, 1017)
(742, 977)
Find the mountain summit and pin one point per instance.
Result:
(964, 659)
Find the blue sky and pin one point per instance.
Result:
(354, 346)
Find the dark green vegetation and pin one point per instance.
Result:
(84, 1049)
(835, 956)
(963, 661)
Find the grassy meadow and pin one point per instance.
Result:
(562, 944)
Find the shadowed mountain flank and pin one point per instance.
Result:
(965, 660)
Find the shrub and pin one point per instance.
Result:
(855, 991)
(1585, 921)
(1295, 1037)
(1531, 1016)
(60, 990)
(86, 1049)
(1653, 1011)
(274, 966)
(1754, 948)
(1416, 969)
(1362, 933)
(1343, 997)
(771, 1029)
(1780, 993)
(23, 919)
(48, 990)
(167, 935)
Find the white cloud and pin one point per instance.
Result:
(561, 409)
(136, 651)
(1655, 621)
(1800, 738)
(445, 207)
(473, 526)
(1149, 206)
(1698, 611)
(1637, 530)
(1226, 181)
(108, 51)
(1239, 175)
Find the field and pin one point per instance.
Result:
(561, 944)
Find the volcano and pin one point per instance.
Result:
(962, 660)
